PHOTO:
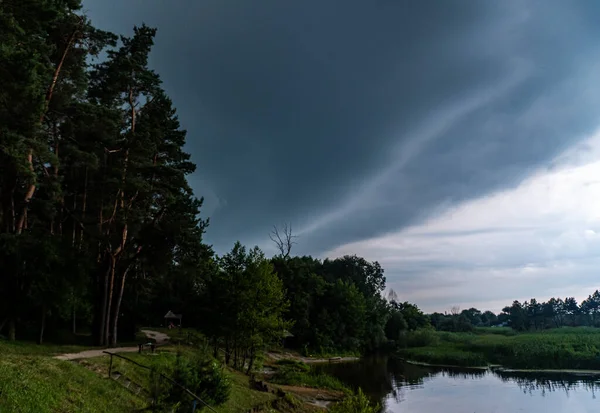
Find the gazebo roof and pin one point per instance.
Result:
(170, 314)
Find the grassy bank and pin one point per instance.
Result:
(297, 373)
(241, 399)
(565, 348)
(32, 381)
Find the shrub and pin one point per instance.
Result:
(357, 403)
(422, 338)
(202, 376)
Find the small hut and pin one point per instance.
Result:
(171, 317)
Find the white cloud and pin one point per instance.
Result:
(539, 239)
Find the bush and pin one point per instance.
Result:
(357, 403)
(422, 338)
(202, 376)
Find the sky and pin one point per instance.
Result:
(455, 142)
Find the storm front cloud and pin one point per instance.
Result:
(455, 142)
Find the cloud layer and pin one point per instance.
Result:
(362, 122)
(539, 239)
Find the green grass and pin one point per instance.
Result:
(32, 381)
(445, 355)
(503, 331)
(41, 384)
(243, 398)
(295, 377)
(31, 348)
(565, 348)
(293, 364)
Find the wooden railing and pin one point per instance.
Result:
(195, 398)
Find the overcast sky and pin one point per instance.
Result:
(455, 142)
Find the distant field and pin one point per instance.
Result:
(564, 348)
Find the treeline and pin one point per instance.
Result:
(525, 316)
(93, 196)
(553, 313)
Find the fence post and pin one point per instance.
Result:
(110, 367)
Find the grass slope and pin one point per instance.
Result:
(32, 381)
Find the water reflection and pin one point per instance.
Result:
(550, 382)
(393, 383)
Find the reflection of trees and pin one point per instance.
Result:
(389, 378)
(404, 375)
(370, 374)
(529, 382)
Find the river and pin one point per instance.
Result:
(407, 388)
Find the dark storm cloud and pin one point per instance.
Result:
(351, 119)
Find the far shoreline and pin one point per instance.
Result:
(502, 369)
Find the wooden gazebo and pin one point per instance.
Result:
(171, 317)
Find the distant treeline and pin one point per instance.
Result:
(529, 315)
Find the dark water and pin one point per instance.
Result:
(406, 388)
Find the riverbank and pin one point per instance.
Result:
(576, 349)
(276, 356)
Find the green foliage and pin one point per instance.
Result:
(201, 375)
(336, 304)
(357, 403)
(244, 303)
(420, 338)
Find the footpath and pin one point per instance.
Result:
(160, 338)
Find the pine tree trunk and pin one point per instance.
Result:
(83, 206)
(227, 353)
(32, 187)
(115, 320)
(74, 327)
(12, 333)
(235, 353)
(43, 325)
(109, 298)
(251, 363)
(104, 304)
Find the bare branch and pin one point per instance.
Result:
(284, 239)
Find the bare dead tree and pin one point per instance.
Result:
(392, 296)
(455, 310)
(283, 239)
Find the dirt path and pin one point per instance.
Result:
(160, 338)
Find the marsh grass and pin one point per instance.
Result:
(564, 348)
